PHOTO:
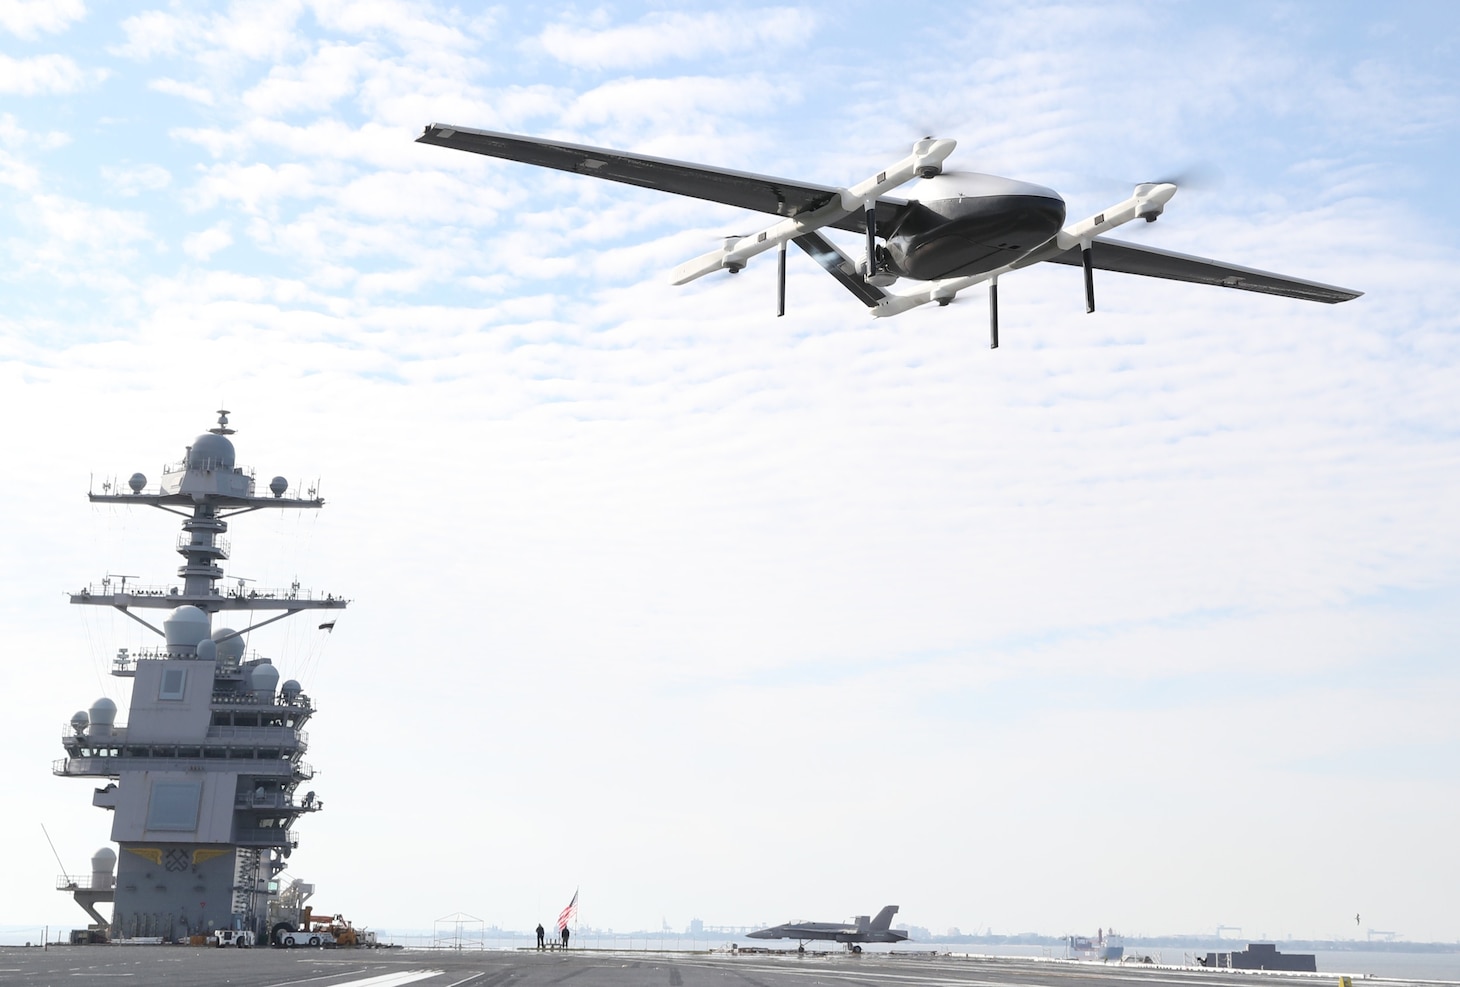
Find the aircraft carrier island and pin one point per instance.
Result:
(203, 778)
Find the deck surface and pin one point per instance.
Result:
(180, 966)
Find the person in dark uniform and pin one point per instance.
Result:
(565, 937)
(540, 943)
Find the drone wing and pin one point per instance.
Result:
(761, 193)
(1130, 258)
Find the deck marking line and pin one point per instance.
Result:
(306, 980)
(888, 976)
(474, 976)
(392, 979)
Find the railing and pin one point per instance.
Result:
(245, 698)
(264, 836)
(276, 800)
(284, 736)
(114, 737)
(108, 591)
(181, 466)
(292, 593)
(76, 882)
(220, 546)
(113, 765)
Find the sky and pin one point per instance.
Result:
(1146, 619)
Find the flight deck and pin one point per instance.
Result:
(180, 966)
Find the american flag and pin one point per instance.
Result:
(568, 913)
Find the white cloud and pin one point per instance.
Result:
(665, 107)
(255, 188)
(328, 75)
(421, 25)
(44, 74)
(250, 30)
(28, 19)
(677, 37)
(154, 32)
(73, 223)
(193, 92)
(204, 244)
(133, 180)
(12, 134)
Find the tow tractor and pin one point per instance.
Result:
(331, 930)
(293, 923)
(242, 938)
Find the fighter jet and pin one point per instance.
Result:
(863, 929)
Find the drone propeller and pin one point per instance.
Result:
(1194, 177)
(1191, 177)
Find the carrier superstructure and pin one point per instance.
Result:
(203, 777)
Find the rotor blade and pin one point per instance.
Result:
(993, 315)
(1194, 177)
(1089, 267)
(781, 279)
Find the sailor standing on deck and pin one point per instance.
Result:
(565, 937)
(540, 943)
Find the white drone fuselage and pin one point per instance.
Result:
(970, 224)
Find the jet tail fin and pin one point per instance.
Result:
(883, 921)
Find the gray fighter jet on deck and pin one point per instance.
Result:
(863, 929)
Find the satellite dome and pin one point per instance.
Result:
(229, 644)
(209, 452)
(207, 650)
(263, 680)
(185, 628)
(103, 713)
(137, 482)
(290, 689)
(278, 485)
(80, 721)
(103, 862)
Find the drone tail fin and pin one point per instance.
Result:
(839, 266)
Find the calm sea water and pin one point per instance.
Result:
(1358, 962)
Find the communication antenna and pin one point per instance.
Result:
(53, 850)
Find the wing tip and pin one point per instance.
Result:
(435, 133)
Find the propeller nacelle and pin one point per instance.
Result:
(733, 264)
(928, 156)
(1151, 199)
